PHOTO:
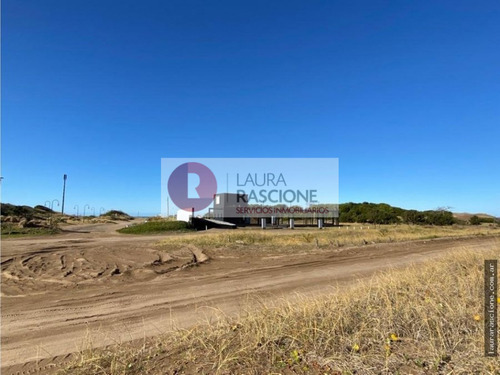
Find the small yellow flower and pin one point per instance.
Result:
(477, 318)
(498, 299)
(355, 347)
(294, 357)
(394, 337)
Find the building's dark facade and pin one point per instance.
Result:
(226, 206)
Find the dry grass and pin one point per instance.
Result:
(307, 239)
(425, 319)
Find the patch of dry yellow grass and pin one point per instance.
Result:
(311, 239)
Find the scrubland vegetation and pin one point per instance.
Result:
(311, 239)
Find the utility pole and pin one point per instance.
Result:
(64, 192)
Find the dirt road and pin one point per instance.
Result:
(93, 284)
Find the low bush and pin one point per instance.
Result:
(152, 227)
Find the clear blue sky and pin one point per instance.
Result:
(405, 93)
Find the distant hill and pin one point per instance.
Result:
(467, 216)
(475, 219)
(117, 215)
(14, 213)
(18, 220)
(37, 212)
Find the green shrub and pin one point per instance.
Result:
(152, 227)
(474, 220)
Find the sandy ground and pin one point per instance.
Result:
(92, 284)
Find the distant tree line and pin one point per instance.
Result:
(382, 213)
